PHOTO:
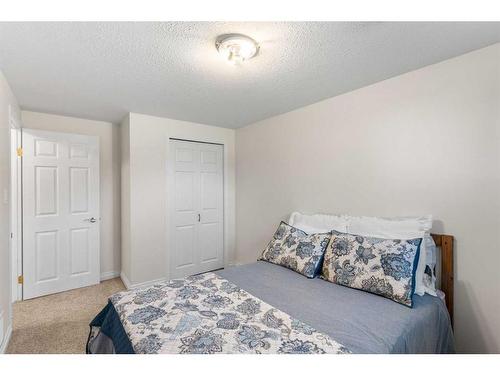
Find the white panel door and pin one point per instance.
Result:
(60, 212)
(210, 207)
(195, 204)
(184, 204)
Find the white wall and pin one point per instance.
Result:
(7, 100)
(125, 196)
(423, 142)
(109, 138)
(147, 159)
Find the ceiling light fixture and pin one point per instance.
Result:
(236, 48)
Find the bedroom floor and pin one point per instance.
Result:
(58, 323)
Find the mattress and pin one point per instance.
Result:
(360, 321)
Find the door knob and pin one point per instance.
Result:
(92, 220)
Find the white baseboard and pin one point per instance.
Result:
(129, 285)
(6, 339)
(109, 275)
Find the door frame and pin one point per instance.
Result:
(16, 217)
(169, 200)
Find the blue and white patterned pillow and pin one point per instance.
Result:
(297, 250)
(376, 265)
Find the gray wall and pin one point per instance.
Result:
(423, 142)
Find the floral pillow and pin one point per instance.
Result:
(376, 265)
(297, 250)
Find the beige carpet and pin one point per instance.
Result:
(59, 323)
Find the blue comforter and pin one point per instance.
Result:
(363, 322)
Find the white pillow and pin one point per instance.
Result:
(399, 228)
(318, 223)
(429, 279)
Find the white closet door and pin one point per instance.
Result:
(184, 195)
(195, 205)
(60, 212)
(210, 227)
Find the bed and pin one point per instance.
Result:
(327, 318)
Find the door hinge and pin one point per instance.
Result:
(19, 151)
(20, 279)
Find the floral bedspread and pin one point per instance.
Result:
(208, 314)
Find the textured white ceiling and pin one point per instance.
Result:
(104, 70)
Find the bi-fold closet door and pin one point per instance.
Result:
(195, 207)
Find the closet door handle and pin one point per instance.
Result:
(199, 217)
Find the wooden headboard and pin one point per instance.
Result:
(445, 243)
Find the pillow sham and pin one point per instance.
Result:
(386, 267)
(295, 249)
(402, 228)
